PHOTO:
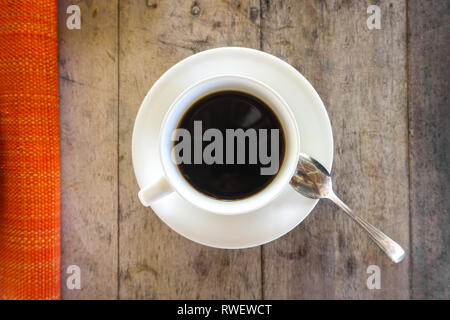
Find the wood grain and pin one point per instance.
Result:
(394, 181)
(361, 76)
(429, 23)
(88, 117)
(155, 262)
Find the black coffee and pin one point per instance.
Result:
(237, 159)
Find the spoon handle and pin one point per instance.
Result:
(394, 251)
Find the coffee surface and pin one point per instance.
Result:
(231, 110)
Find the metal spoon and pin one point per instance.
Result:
(312, 180)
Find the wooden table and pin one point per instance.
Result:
(386, 92)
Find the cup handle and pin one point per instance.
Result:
(155, 191)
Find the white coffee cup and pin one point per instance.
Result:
(173, 181)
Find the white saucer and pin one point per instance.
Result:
(257, 227)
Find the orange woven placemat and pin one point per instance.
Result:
(29, 151)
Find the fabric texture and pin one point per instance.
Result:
(29, 151)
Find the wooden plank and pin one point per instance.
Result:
(361, 76)
(429, 22)
(155, 262)
(88, 112)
